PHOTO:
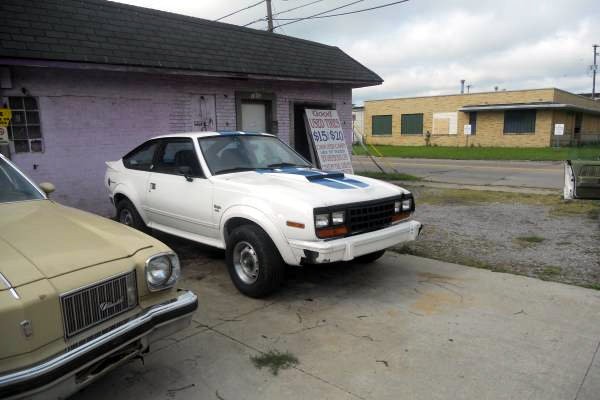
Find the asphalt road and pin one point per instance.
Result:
(531, 174)
(404, 327)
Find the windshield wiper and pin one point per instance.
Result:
(236, 169)
(286, 164)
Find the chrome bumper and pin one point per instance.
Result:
(70, 371)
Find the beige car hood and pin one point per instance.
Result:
(41, 239)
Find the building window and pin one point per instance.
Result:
(382, 125)
(411, 124)
(519, 122)
(24, 130)
(473, 122)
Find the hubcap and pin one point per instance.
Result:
(125, 217)
(245, 261)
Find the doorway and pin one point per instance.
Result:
(299, 136)
(255, 112)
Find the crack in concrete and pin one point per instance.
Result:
(587, 371)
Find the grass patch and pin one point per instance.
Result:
(392, 176)
(595, 286)
(529, 240)
(557, 206)
(550, 273)
(487, 153)
(274, 360)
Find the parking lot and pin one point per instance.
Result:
(404, 327)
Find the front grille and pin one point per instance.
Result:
(92, 305)
(370, 217)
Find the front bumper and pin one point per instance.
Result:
(70, 371)
(348, 248)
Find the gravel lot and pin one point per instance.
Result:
(534, 235)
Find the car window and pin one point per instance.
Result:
(142, 157)
(177, 153)
(14, 187)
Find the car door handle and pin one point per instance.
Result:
(152, 186)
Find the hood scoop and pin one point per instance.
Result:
(330, 175)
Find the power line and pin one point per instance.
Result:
(284, 11)
(317, 16)
(294, 20)
(240, 10)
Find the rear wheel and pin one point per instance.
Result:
(128, 215)
(255, 265)
(371, 257)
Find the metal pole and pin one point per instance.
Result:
(594, 72)
(269, 15)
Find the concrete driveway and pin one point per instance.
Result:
(404, 327)
(532, 174)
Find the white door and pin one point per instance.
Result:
(176, 203)
(254, 117)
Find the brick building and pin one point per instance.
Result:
(520, 118)
(87, 80)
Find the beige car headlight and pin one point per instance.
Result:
(162, 271)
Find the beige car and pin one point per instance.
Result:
(79, 294)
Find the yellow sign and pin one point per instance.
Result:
(5, 116)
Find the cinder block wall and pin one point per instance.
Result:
(490, 125)
(89, 117)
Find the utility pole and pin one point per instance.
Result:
(594, 68)
(269, 15)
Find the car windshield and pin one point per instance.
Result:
(235, 153)
(14, 187)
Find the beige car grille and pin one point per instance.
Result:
(92, 305)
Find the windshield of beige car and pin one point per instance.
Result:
(14, 187)
(234, 153)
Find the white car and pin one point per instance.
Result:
(258, 199)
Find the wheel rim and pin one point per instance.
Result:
(125, 217)
(245, 261)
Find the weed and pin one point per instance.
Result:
(274, 360)
(529, 240)
(392, 176)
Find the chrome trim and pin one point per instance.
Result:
(63, 296)
(147, 315)
(9, 286)
(153, 288)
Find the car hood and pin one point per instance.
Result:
(42, 239)
(313, 186)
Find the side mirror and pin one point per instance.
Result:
(186, 171)
(47, 188)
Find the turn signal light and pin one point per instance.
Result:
(400, 216)
(335, 231)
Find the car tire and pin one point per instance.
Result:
(254, 263)
(128, 215)
(371, 257)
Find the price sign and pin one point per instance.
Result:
(327, 135)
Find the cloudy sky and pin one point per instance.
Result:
(425, 47)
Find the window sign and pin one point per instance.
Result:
(327, 135)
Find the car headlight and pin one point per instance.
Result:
(162, 271)
(321, 220)
(397, 206)
(337, 217)
(407, 205)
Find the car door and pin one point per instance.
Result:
(180, 198)
(139, 163)
(586, 176)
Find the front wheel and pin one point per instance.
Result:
(371, 257)
(253, 261)
(128, 215)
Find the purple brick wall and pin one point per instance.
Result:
(89, 117)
